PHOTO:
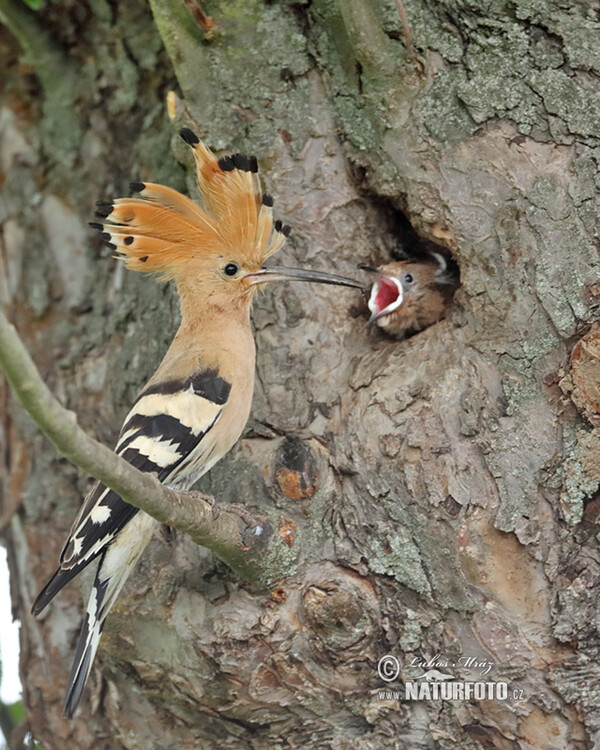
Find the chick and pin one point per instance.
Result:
(410, 295)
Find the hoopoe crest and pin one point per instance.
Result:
(167, 233)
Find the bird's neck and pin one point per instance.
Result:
(203, 314)
(216, 334)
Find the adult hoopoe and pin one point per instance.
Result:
(195, 406)
(409, 295)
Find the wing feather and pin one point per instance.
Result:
(165, 434)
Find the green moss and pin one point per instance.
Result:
(410, 637)
(577, 107)
(442, 113)
(575, 25)
(429, 30)
(577, 484)
(395, 554)
(546, 52)
(587, 182)
(561, 294)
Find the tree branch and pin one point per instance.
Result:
(232, 533)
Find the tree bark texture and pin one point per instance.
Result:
(439, 495)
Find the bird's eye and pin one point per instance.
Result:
(231, 269)
(408, 278)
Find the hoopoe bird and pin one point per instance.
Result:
(195, 406)
(409, 295)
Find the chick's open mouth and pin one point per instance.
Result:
(386, 296)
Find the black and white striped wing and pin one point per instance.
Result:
(164, 433)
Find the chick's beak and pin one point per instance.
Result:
(266, 275)
(386, 295)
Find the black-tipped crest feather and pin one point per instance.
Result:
(189, 136)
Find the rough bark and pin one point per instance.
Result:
(443, 490)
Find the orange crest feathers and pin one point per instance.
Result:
(165, 232)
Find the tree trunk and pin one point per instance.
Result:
(441, 492)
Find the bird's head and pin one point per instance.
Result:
(409, 295)
(216, 251)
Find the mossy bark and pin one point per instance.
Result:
(440, 494)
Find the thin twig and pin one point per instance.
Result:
(411, 53)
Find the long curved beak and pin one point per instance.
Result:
(369, 269)
(281, 273)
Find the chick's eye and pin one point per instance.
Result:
(408, 278)
(231, 269)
